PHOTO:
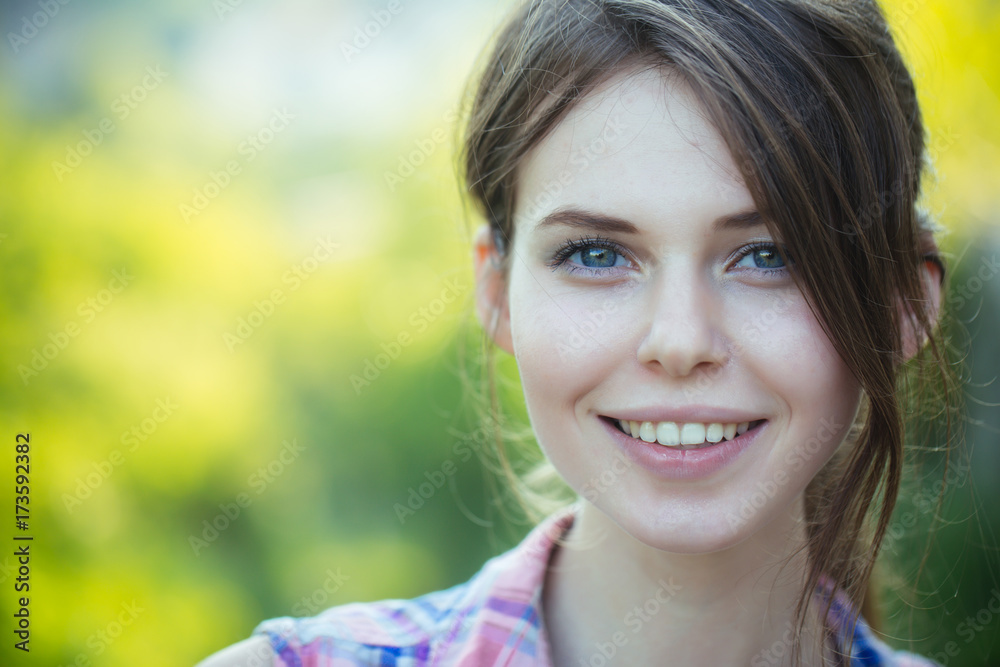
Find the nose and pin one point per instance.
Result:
(685, 331)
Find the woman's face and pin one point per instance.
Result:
(644, 287)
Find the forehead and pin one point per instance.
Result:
(636, 144)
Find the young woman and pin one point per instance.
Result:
(703, 250)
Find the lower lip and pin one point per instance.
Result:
(670, 463)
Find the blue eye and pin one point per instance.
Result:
(761, 256)
(597, 255)
(591, 254)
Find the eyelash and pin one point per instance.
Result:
(572, 246)
(754, 246)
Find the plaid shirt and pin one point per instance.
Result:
(492, 619)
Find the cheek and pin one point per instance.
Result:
(563, 337)
(821, 373)
(819, 393)
(564, 346)
(783, 341)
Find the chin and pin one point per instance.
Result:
(695, 532)
(691, 540)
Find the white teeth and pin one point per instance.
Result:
(673, 434)
(647, 432)
(714, 432)
(692, 434)
(668, 434)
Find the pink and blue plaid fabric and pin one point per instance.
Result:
(491, 620)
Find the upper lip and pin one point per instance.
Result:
(687, 415)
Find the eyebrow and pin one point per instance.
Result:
(580, 218)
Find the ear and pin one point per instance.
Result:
(931, 277)
(491, 290)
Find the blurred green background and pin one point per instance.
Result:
(216, 215)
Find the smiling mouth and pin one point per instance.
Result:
(675, 435)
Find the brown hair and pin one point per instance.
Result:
(818, 109)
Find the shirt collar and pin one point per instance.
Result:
(522, 578)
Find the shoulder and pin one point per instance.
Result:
(476, 622)
(870, 650)
(854, 635)
(356, 634)
(368, 633)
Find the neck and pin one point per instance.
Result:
(731, 607)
